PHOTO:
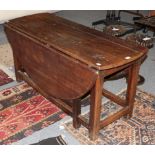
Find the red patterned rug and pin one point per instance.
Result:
(4, 78)
(24, 111)
(139, 130)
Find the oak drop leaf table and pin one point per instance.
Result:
(65, 61)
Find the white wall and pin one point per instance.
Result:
(6, 15)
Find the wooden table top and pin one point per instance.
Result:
(84, 44)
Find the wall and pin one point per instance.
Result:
(6, 15)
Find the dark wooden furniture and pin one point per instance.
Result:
(112, 20)
(65, 61)
(148, 22)
(141, 39)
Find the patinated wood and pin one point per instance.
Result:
(88, 46)
(66, 61)
(95, 108)
(45, 65)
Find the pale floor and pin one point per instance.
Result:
(147, 70)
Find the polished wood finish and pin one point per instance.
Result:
(132, 83)
(95, 108)
(51, 65)
(79, 42)
(66, 61)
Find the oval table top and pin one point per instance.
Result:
(89, 46)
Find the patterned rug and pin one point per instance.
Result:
(139, 130)
(4, 78)
(24, 111)
(52, 141)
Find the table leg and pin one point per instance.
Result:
(132, 85)
(17, 68)
(76, 113)
(95, 108)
